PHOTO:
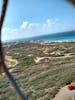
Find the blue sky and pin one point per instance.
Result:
(26, 18)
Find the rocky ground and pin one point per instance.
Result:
(42, 69)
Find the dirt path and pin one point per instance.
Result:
(38, 59)
(65, 94)
(11, 69)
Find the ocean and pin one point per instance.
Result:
(64, 36)
(57, 37)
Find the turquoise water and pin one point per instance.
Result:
(67, 38)
(64, 36)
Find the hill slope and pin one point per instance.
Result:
(39, 80)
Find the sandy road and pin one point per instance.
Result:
(38, 59)
(12, 66)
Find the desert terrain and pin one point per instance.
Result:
(40, 68)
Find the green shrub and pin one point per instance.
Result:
(26, 61)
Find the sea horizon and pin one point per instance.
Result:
(57, 37)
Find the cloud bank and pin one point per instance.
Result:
(27, 29)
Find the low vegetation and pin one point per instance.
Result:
(42, 80)
(26, 61)
(10, 63)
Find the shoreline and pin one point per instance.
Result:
(39, 41)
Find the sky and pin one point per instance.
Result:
(27, 18)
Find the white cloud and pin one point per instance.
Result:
(27, 29)
(24, 25)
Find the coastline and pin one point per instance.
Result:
(38, 41)
(57, 37)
